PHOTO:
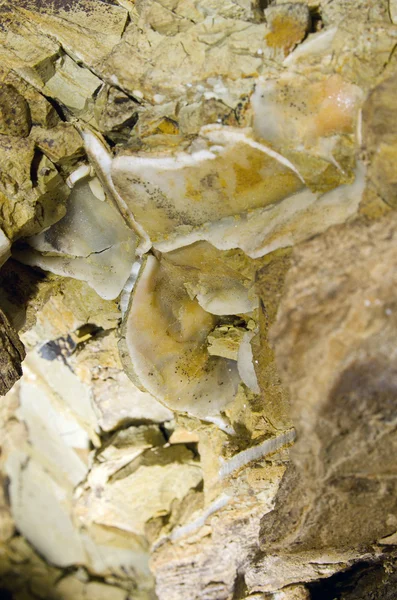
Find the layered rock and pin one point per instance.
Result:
(195, 184)
(12, 354)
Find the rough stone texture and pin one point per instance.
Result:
(288, 23)
(380, 138)
(117, 400)
(339, 314)
(12, 354)
(116, 477)
(269, 286)
(42, 113)
(61, 144)
(14, 112)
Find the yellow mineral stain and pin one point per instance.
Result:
(248, 172)
(167, 126)
(193, 191)
(193, 320)
(286, 33)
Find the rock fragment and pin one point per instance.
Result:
(62, 144)
(163, 346)
(343, 471)
(14, 112)
(269, 286)
(117, 400)
(12, 354)
(90, 243)
(380, 139)
(288, 23)
(72, 85)
(223, 132)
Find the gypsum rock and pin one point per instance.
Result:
(363, 39)
(225, 341)
(88, 31)
(235, 194)
(43, 470)
(42, 112)
(362, 10)
(101, 159)
(73, 86)
(340, 492)
(91, 243)
(46, 307)
(288, 23)
(217, 56)
(164, 345)
(185, 14)
(273, 570)
(104, 554)
(30, 54)
(62, 312)
(171, 197)
(32, 191)
(313, 123)
(249, 421)
(60, 422)
(15, 116)
(310, 111)
(221, 281)
(245, 363)
(30, 577)
(62, 144)
(219, 61)
(116, 113)
(354, 48)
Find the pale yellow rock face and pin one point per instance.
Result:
(196, 249)
(116, 399)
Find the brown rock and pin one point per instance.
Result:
(115, 112)
(11, 355)
(269, 286)
(380, 139)
(14, 112)
(334, 341)
(62, 144)
(41, 111)
(32, 193)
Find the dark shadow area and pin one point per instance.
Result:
(365, 581)
(18, 284)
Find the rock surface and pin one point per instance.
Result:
(11, 357)
(342, 470)
(209, 187)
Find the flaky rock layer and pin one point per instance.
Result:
(197, 250)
